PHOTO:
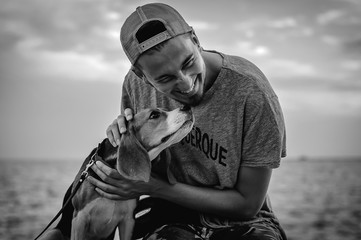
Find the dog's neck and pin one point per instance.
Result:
(109, 153)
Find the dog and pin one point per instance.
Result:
(148, 134)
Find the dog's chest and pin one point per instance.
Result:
(104, 215)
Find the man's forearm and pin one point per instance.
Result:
(224, 203)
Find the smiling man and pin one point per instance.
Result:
(212, 185)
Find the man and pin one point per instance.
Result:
(220, 172)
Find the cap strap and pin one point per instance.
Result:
(141, 14)
(151, 42)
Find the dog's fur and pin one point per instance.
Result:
(149, 133)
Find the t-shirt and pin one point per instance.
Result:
(238, 123)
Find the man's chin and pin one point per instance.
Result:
(192, 101)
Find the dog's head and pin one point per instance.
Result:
(149, 133)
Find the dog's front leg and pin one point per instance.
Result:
(126, 224)
(79, 226)
(126, 228)
(53, 234)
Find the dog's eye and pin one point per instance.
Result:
(154, 115)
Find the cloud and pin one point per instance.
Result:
(288, 69)
(65, 25)
(329, 17)
(267, 22)
(49, 64)
(355, 2)
(324, 102)
(353, 46)
(287, 22)
(203, 26)
(76, 40)
(275, 28)
(251, 24)
(331, 40)
(351, 65)
(247, 48)
(289, 27)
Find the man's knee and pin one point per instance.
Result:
(248, 233)
(171, 232)
(263, 233)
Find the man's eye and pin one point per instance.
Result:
(154, 115)
(189, 63)
(165, 80)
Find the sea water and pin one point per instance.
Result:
(313, 199)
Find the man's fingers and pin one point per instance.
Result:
(104, 189)
(128, 114)
(119, 127)
(107, 174)
(121, 124)
(111, 137)
(102, 185)
(111, 172)
(113, 133)
(108, 195)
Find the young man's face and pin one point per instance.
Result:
(177, 70)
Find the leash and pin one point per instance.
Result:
(83, 176)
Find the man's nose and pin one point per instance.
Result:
(184, 81)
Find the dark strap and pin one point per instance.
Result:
(65, 222)
(82, 178)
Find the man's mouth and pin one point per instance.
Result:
(190, 89)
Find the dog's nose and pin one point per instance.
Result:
(185, 108)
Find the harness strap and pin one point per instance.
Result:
(83, 176)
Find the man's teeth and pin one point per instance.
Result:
(190, 90)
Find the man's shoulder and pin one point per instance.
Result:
(132, 83)
(243, 67)
(131, 79)
(246, 75)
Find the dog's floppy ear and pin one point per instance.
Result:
(133, 160)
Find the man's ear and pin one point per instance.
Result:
(133, 161)
(195, 39)
(140, 74)
(137, 72)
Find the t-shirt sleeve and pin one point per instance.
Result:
(264, 139)
(127, 101)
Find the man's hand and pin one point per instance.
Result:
(118, 127)
(115, 186)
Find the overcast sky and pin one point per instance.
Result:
(62, 66)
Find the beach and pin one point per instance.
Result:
(313, 199)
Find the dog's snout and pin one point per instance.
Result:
(185, 108)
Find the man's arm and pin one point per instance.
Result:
(242, 202)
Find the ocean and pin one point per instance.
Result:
(313, 199)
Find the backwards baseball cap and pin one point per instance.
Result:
(134, 45)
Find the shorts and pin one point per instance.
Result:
(168, 221)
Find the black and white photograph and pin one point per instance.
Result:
(180, 120)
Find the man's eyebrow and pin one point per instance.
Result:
(185, 62)
(188, 58)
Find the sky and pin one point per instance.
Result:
(62, 67)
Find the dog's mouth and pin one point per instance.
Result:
(186, 124)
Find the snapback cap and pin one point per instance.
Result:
(173, 22)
